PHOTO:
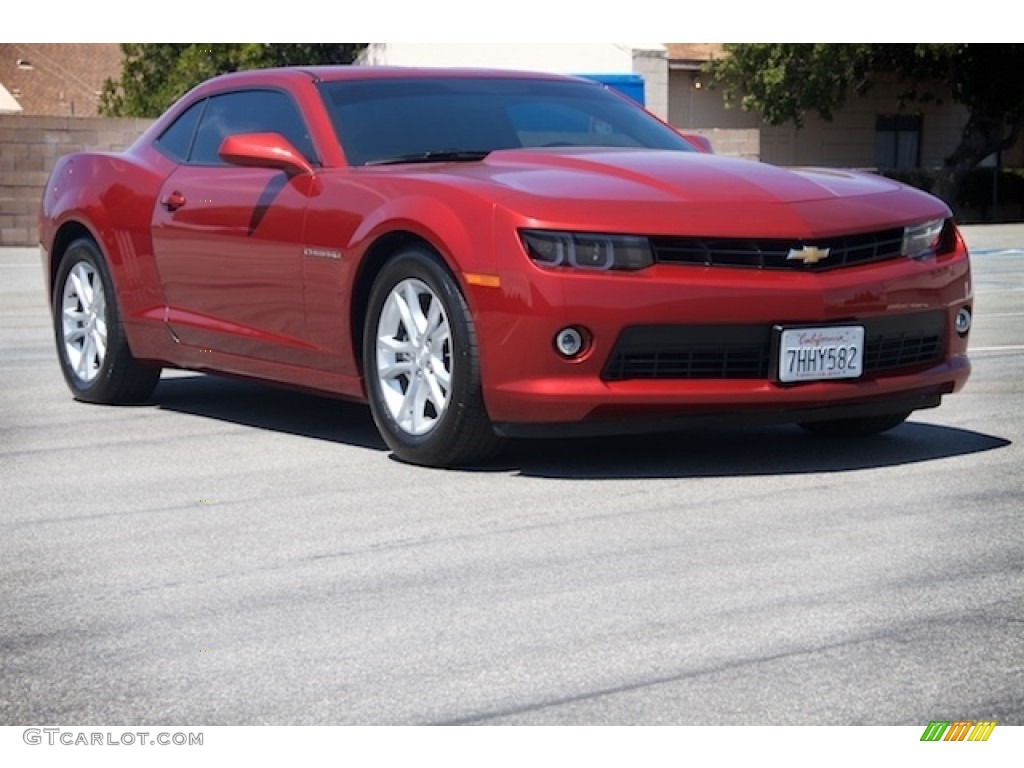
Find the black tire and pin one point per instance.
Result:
(91, 345)
(862, 427)
(424, 384)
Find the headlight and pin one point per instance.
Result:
(923, 239)
(586, 250)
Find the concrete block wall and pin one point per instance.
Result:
(653, 66)
(733, 142)
(29, 148)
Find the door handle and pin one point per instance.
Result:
(173, 201)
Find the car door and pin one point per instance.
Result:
(227, 239)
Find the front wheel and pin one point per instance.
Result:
(91, 345)
(862, 427)
(421, 365)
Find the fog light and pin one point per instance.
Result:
(569, 342)
(963, 321)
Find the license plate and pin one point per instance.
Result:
(813, 354)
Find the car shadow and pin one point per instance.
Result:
(704, 452)
(742, 452)
(264, 407)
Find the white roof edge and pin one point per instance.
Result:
(8, 104)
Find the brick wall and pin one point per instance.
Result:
(29, 147)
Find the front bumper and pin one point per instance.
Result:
(530, 389)
(621, 421)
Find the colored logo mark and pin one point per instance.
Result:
(958, 730)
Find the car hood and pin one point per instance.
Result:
(652, 176)
(665, 193)
(670, 192)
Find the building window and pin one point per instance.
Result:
(898, 141)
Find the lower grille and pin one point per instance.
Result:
(746, 351)
(691, 352)
(903, 342)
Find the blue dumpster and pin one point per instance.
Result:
(627, 84)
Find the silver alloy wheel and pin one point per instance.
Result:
(414, 356)
(84, 321)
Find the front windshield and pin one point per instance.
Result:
(404, 119)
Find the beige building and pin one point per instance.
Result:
(868, 132)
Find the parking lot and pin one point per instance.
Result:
(234, 554)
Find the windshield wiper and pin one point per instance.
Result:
(435, 156)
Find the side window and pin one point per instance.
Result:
(249, 112)
(176, 140)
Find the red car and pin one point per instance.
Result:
(484, 255)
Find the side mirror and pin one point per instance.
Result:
(264, 150)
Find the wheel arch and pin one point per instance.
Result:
(108, 198)
(65, 235)
(380, 252)
(459, 232)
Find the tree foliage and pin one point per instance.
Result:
(785, 82)
(153, 75)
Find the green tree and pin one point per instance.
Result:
(153, 75)
(784, 82)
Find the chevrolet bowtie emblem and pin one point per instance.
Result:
(809, 254)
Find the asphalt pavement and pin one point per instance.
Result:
(234, 554)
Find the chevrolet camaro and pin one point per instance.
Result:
(483, 255)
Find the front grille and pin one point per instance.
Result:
(847, 251)
(746, 351)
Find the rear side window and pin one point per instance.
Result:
(249, 112)
(176, 140)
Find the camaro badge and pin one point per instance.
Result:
(322, 253)
(809, 254)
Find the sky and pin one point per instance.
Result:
(522, 21)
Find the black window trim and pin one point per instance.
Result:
(314, 161)
(159, 146)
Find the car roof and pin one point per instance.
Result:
(329, 74)
(295, 77)
(346, 72)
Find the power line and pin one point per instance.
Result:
(34, 55)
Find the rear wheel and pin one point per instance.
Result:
(862, 427)
(421, 365)
(91, 345)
